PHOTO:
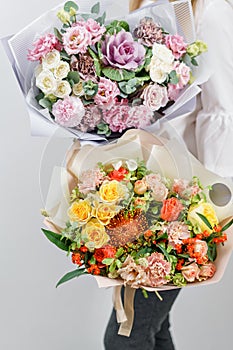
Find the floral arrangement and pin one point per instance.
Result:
(127, 222)
(106, 78)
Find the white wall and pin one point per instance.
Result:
(34, 315)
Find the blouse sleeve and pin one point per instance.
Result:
(214, 124)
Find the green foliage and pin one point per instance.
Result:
(212, 251)
(70, 4)
(116, 26)
(103, 129)
(116, 74)
(225, 227)
(96, 62)
(57, 239)
(70, 275)
(74, 77)
(46, 103)
(173, 77)
(96, 8)
(205, 220)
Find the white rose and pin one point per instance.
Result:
(46, 82)
(159, 70)
(38, 70)
(62, 70)
(51, 60)
(63, 89)
(163, 53)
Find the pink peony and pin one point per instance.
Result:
(76, 39)
(176, 44)
(177, 231)
(155, 97)
(206, 271)
(95, 30)
(121, 51)
(42, 46)
(158, 269)
(107, 92)
(190, 272)
(69, 111)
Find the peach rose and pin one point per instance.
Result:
(206, 271)
(200, 247)
(80, 211)
(140, 187)
(190, 272)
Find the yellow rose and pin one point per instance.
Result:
(95, 234)
(205, 209)
(64, 16)
(104, 212)
(80, 211)
(112, 191)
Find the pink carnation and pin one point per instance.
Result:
(183, 188)
(107, 92)
(139, 117)
(69, 111)
(176, 44)
(117, 117)
(158, 269)
(76, 39)
(95, 30)
(177, 231)
(42, 46)
(133, 274)
(89, 179)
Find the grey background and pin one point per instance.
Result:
(34, 315)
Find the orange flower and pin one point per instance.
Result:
(171, 209)
(104, 253)
(94, 270)
(118, 175)
(76, 259)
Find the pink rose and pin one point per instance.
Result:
(42, 46)
(200, 247)
(107, 92)
(69, 111)
(155, 97)
(76, 39)
(176, 44)
(95, 30)
(190, 272)
(206, 271)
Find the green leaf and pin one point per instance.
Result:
(74, 76)
(194, 62)
(58, 34)
(165, 253)
(113, 266)
(119, 252)
(96, 8)
(96, 62)
(92, 260)
(174, 79)
(108, 261)
(56, 239)
(69, 4)
(40, 96)
(101, 19)
(70, 275)
(118, 74)
(205, 220)
(45, 103)
(225, 227)
(212, 252)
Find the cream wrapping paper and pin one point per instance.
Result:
(175, 17)
(170, 159)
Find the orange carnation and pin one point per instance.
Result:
(171, 209)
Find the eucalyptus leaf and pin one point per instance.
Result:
(69, 4)
(74, 76)
(45, 103)
(96, 8)
(70, 275)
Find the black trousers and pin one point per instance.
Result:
(151, 324)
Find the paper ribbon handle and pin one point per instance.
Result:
(124, 314)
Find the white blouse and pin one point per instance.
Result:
(208, 132)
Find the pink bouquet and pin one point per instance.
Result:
(105, 78)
